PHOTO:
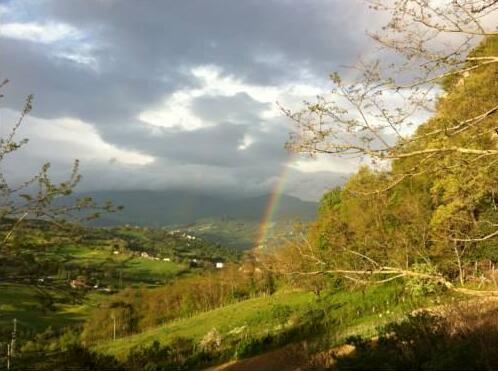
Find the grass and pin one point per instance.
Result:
(255, 314)
(146, 270)
(238, 234)
(25, 303)
(133, 269)
(33, 311)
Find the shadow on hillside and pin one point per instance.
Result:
(462, 337)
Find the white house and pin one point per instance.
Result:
(219, 265)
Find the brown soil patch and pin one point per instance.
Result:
(289, 358)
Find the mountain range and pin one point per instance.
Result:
(171, 207)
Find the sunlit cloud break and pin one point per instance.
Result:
(46, 33)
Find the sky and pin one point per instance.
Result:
(174, 94)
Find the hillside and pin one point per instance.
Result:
(247, 326)
(238, 233)
(160, 208)
(70, 272)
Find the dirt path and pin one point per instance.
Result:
(289, 358)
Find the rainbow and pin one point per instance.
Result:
(272, 206)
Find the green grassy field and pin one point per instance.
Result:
(37, 306)
(130, 268)
(26, 304)
(238, 234)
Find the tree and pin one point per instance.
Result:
(374, 115)
(441, 67)
(38, 198)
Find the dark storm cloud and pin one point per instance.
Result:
(64, 88)
(244, 37)
(145, 51)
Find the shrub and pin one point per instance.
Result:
(211, 342)
(281, 313)
(464, 338)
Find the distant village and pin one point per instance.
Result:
(193, 262)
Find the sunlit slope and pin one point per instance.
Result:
(280, 318)
(255, 314)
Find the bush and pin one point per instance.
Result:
(281, 313)
(422, 286)
(211, 342)
(80, 358)
(464, 338)
(249, 346)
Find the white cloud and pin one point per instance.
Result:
(68, 138)
(82, 54)
(45, 33)
(175, 111)
(66, 42)
(324, 163)
(245, 143)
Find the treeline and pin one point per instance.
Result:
(432, 214)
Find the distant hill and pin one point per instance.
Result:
(240, 234)
(162, 208)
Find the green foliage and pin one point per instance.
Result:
(437, 209)
(281, 313)
(419, 286)
(179, 354)
(330, 200)
(81, 358)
